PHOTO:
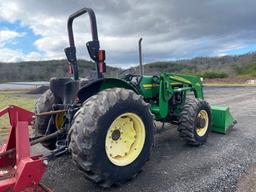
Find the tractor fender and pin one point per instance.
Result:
(95, 86)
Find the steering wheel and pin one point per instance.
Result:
(127, 74)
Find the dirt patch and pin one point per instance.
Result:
(247, 182)
(229, 80)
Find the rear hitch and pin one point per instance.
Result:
(20, 171)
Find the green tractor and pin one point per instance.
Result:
(107, 124)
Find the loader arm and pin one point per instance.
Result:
(171, 84)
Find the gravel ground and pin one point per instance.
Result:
(174, 166)
(247, 182)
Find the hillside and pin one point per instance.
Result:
(44, 70)
(211, 67)
(240, 66)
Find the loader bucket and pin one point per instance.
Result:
(222, 120)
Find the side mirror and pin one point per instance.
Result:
(93, 49)
(70, 54)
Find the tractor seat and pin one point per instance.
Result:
(57, 86)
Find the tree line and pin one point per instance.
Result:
(208, 67)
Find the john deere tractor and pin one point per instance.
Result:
(107, 124)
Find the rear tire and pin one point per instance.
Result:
(194, 112)
(44, 104)
(89, 136)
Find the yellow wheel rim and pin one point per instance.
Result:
(202, 130)
(125, 139)
(59, 120)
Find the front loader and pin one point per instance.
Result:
(107, 124)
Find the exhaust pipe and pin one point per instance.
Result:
(140, 58)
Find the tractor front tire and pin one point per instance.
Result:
(112, 136)
(195, 122)
(44, 104)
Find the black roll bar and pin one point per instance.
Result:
(92, 46)
(92, 21)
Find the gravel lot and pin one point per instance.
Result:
(174, 166)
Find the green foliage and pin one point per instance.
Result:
(213, 75)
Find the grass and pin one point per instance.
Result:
(13, 98)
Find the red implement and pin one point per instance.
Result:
(19, 171)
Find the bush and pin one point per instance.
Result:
(249, 70)
(213, 75)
